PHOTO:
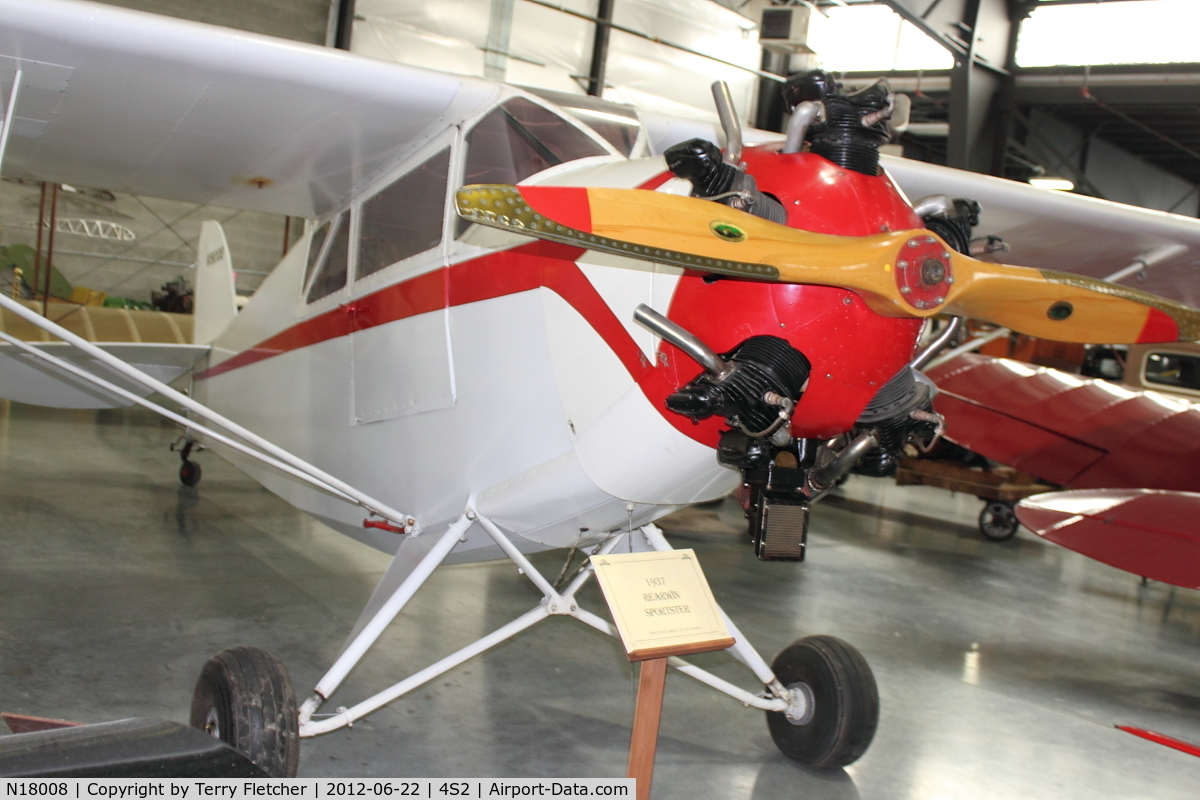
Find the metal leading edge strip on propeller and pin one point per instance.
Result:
(898, 273)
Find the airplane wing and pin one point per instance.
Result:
(1068, 430)
(27, 379)
(156, 342)
(1067, 232)
(209, 114)
(1148, 533)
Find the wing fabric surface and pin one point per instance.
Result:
(898, 273)
(28, 379)
(1066, 232)
(1069, 430)
(1148, 533)
(140, 103)
(155, 342)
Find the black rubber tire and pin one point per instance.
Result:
(997, 521)
(244, 698)
(845, 703)
(189, 473)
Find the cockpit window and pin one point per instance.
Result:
(519, 139)
(619, 130)
(314, 249)
(1176, 370)
(405, 218)
(616, 122)
(331, 274)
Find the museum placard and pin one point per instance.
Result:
(661, 603)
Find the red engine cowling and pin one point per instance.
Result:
(853, 350)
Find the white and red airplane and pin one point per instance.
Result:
(575, 366)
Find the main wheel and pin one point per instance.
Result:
(842, 709)
(997, 521)
(189, 473)
(244, 698)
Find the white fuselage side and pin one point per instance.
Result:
(507, 394)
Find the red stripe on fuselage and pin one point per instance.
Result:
(522, 269)
(1161, 738)
(657, 181)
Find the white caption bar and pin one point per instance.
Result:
(311, 788)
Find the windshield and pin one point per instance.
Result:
(521, 138)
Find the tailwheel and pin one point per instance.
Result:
(244, 698)
(838, 710)
(189, 473)
(998, 521)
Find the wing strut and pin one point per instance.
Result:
(8, 114)
(257, 448)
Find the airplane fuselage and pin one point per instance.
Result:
(510, 370)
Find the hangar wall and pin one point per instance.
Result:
(1119, 175)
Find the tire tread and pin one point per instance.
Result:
(855, 717)
(263, 723)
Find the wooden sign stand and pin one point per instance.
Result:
(652, 681)
(662, 607)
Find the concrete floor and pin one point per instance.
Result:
(1002, 668)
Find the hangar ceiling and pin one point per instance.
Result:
(1153, 112)
(1150, 111)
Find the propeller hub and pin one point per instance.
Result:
(923, 272)
(933, 272)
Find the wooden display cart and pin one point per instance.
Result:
(1000, 489)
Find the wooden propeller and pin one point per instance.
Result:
(910, 273)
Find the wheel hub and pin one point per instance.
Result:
(212, 724)
(800, 705)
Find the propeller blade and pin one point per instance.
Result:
(899, 273)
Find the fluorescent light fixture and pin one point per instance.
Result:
(1050, 182)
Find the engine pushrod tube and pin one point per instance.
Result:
(938, 344)
(824, 477)
(685, 340)
(729, 122)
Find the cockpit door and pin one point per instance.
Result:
(400, 345)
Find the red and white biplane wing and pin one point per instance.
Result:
(1148, 533)
(1068, 430)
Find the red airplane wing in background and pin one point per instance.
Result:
(1066, 430)
(1148, 533)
